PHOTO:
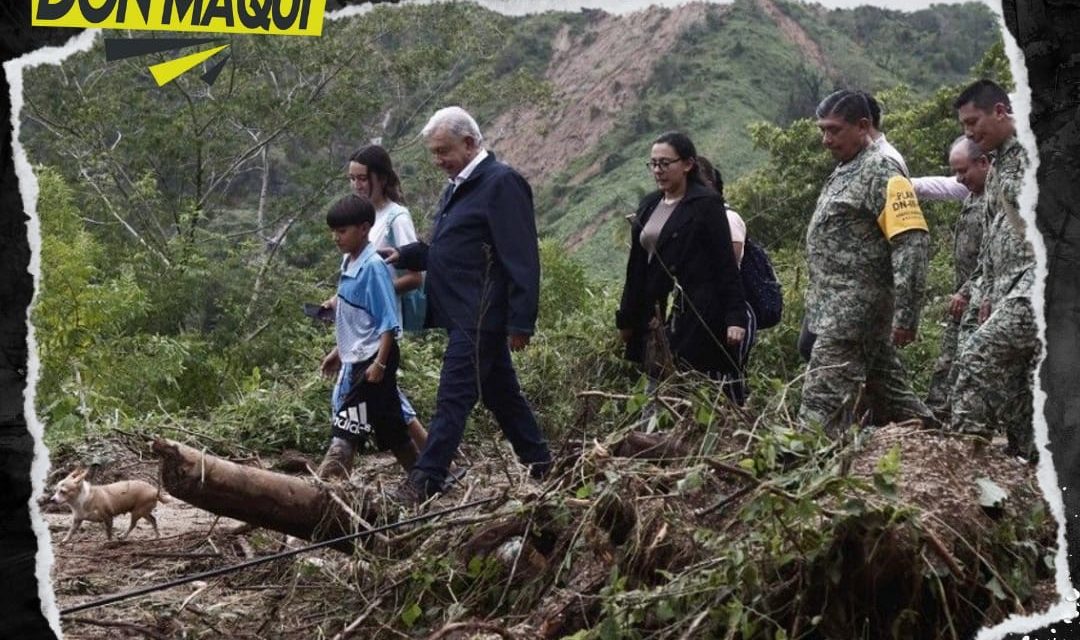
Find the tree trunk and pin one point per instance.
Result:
(284, 503)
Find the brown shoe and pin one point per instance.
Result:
(404, 494)
(337, 463)
(411, 491)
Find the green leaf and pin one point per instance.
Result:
(692, 482)
(1049, 560)
(609, 629)
(885, 485)
(475, 566)
(584, 491)
(703, 414)
(664, 612)
(411, 614)
(889, 464)
(991, 495)
(995, 587)
(886, 472)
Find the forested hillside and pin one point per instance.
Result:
(183, 227)
(732, 65)
(573, 99)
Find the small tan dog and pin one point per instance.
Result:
(102, 504)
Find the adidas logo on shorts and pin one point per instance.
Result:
(353, 420)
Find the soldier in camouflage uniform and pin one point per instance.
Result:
(868, 253)
(995, 368)
(970, 165)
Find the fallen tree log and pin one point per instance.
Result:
(284, 503)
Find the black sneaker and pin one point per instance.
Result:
(453, 476)
(539, 470)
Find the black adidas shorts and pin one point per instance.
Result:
(371, 409)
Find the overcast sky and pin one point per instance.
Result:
(623, 6)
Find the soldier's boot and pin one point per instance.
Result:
(977, 433)
(980, 443)
(337, 462)
(1021, 441)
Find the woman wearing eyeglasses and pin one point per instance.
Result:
(371, 175)
(680, 248)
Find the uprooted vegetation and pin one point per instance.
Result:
(721, 524)
(704, 522)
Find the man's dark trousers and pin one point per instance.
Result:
(477, 366)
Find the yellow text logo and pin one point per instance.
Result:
(260, 17)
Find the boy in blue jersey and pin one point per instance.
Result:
(365, 399)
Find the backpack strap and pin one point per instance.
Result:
(390, 225)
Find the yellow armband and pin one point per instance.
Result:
(901, 212)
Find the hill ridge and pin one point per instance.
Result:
(596, 75)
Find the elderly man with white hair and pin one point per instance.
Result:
(483, 287)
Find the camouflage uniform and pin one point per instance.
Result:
(860, 280)
(996, 365)
(967, 238)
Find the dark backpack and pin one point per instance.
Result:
(760, 285)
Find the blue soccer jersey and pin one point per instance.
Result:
(367, 306)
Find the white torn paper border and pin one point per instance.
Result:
(28, 189)
(1046, 474)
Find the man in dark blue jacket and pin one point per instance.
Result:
(482, 286)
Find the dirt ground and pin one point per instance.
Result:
(191, 541)
(284, 598)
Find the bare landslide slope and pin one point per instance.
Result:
(595, 75)
(798, 36)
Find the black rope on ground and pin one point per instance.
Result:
(125, 595)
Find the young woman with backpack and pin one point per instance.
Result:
(371, 175)
(764, 300)
(673, 256)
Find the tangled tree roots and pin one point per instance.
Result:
(512, 545)
(891, 537)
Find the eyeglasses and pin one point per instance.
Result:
(661, 163)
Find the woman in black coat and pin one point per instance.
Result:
(681, 243)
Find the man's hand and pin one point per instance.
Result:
(518, 341)
(389, 255)
(331, 364)
(375, 372)
(957, 305)
(985, 309)
(902, 337)
(735, 336)
(626, 334)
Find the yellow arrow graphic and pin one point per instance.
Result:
(166, 72)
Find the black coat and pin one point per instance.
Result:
(694, 249)
(483, 261)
